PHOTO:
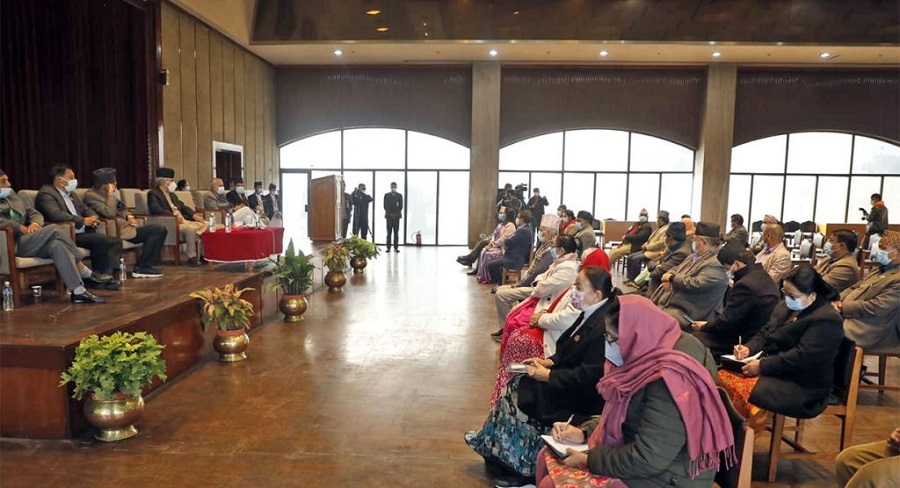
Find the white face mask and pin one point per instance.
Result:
(117, 194)
(220, 190)
(71, 185)
(187, 188)
(5, 192)
(172, 186)
(239, 190)
(883, 257)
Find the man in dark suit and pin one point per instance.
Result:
(677, 249)
(240, 190)
(393, 212)
(361, 203)
(273, 199)
(162, 200)
(58, 202)
(748, 303)
(33, 240)
(256, 199)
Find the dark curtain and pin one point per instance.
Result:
(75, 88)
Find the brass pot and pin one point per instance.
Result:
(114, 418)
(231, 344)
(358, 264)
(293, 307)
(335, 281)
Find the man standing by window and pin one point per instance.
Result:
(393, 212)
(877, 218)
(361, 203)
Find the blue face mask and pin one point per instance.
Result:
(883, 257)
(642, 219)
(795, 304)
(828, 249)
(578, 225)
(554, 253)
(5, 192)
(71, 185)
(613, 353)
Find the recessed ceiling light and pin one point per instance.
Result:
(374, 11)
(825, 55)
(493, 52)
(604, 53)
(712, 43)
(338, 52)
(383, 29)
(516, 12)
(716, 54)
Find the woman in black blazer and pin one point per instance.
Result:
(795, 372)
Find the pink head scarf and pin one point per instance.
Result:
(646, 338)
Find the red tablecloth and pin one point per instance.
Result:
(243, 244)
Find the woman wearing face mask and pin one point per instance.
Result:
(494, 249)
(553, 389)
(794, 374)
(644, 438)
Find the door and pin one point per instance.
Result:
(295, 202)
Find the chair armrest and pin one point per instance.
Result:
(7, 251)
(70, 225)
(169, 222)
(108, 226)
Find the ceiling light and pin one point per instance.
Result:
(382, 29)
(716, 54)
(604, 53)
(516, 12)
(493, 52)
(712, 43)
(338, 52)
(825, 55)
(374, 11)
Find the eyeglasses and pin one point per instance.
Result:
(785, 293)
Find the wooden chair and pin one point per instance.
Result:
(512, 276)
(881, 373)
(739, 475)
(842, 403)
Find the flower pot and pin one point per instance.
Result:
(358, 264)
(114, 418)
(231, 344)
(335, 281)
(293, 307)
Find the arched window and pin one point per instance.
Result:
(432, 173)
(824, 177)
(611, 173)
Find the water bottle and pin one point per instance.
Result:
(258, 216)
(228, 220)
(7, 297)
(123, 271)
(212, 222)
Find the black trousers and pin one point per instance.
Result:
(105, 250)
(393, 226)
(361, 226)
(346, 226)
(152, 236)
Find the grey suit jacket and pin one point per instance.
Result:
(871, 311)
(50, 203)
(212, 202)
(698, 289)
(840, 274)
(29, 215)
(110, 207)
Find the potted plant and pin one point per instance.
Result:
(335, 257)
(361, 251)
(231, 316)
(293, 274)
(110, 372)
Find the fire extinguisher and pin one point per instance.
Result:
(418, 236)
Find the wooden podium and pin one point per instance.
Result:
(325, 208)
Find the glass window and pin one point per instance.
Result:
(871, 156)
(676, 193)
(861, 190)
(421, 199)
(294, 202)
(535, 154)
(799, 198)
(891, 195)
(596, 150)
(766, 198)
(453, 208)
(429, 152)
(374, 148)
(550, 185)
(514, 179)
(654, 154)
(760, 156)
(578, 192)
(610, 200)
(382, 186)
(321, 151)
(819, 153)
(643, 192)
(739, 198)
(831, 204)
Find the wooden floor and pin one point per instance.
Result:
(375, 388)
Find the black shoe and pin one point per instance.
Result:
(97, 278)
(396, 249)
(513, 481)
(146, 272)
(192, 261)
(87, 297)
(497, 336)
(494, 290)
(473, 272)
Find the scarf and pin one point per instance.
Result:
(565, 257)
(646, 338)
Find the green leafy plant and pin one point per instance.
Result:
(336, 256)
(117, 363)
(225, 308)
(361, 248)
(292, 272)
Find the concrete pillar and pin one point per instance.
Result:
(485, 153)
(712, 168)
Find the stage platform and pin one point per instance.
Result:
(38, 340)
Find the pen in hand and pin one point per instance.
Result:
(558, 430)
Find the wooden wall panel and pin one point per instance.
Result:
(216, 94)
(238, 100)
(188, 101)
(272, 153)
(252, 163)
(172, 91)
(204, 127)
(258, 122)
(228, 92)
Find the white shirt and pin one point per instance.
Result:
(244, 217)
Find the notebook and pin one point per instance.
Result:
(559, 447)
(730, 363)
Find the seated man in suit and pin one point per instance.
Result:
(748, 303)
(840, 269)
(33, 240)
(102, 200)
(240, 190)
(651, 250)
(677, 249)
(217, 200)
(774, 257)
(255, 198)
(241, 215)
(58, 202)
(163, 201)
(871, 307)
(694, 290)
